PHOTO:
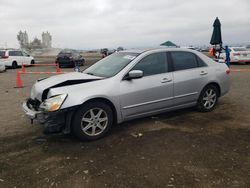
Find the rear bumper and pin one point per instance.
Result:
(52, 122)
(70, 63)
(2, 68)
(239, 60)
(65, 62)
(244, 61)
(224, 85)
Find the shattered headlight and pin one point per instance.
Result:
(54, 103)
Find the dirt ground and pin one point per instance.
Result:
(185, 148)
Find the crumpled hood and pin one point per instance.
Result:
(41, 88)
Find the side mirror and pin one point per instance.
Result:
(134, 74)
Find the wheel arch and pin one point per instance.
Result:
(106, 101)
(216, 85)
(14, 62)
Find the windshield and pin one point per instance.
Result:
(64, 54)
(240, 49)
(111, 65)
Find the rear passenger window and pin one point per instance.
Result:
(201, 63)
(153, 64)
(15, 53)
(184, 60)
(12, 53)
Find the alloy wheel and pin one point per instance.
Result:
(209, 98)
(94, 121)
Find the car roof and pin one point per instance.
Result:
(66, 51)
(208, 60)
(158, 49)
(241, 47)
(9, 49)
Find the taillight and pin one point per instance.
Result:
(236, 54)
(228, 71)
(5, 57)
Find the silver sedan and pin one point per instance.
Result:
(124, 86)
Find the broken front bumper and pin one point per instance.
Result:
(53, 122)
(32, 114)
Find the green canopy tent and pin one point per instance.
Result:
(216, 38)
(169, 44)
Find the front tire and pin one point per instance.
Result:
(208, 98)
(92, 121)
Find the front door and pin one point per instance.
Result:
(151, 93)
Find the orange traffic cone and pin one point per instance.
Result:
(23, 70)
(19, 82)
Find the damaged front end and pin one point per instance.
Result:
(46, 107)
(52, 121)
(30, 107)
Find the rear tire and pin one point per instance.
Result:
(14, 65)
(32, 62)
(92, 121)
(208, 98)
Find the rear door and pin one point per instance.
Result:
(13, 56)
(190, 76)
(151, 93)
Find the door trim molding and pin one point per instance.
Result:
(159, 100)
(145, 103)
(185, 95)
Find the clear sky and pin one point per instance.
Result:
(89, 24)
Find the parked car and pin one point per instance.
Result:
(126, 85)
(14, 58)
(237, 55)
(120, 48)
(69, 59)
(105, 52)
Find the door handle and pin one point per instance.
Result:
(164, 80)
(203, 73)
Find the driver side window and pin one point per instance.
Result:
(153, 64)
